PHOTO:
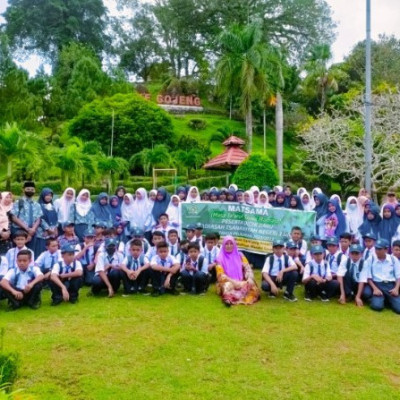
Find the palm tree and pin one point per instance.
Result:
(159, 156)
(19, 147)
(319, 78)
(241, 69)
(189, 159)
(224, 133)
(110, 168)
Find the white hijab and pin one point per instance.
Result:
(127, 210)
(190, 198)
(141, 210)
(63, 206)
(83, 207)
(310, 205)
(354, 216)
(251, 197)
(337, 197)
(266, 203)
(174, 214)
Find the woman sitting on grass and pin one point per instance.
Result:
(235, 279)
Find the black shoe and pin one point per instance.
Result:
(271, 296)
(308, 298)
(291, 297)
(227, 303)
(324, 298)
(155, 293)
(73, 301)
(174, 292)
(36, 305)
(56, 302)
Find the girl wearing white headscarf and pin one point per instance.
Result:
(142, 207)
(337, 197)
(64, 204)
(300, 191)
(193, 195)
(249, 197)
(263, 200)
(307, 202)
(256, 191)
(354, 216)
(82, 214)
(127, 208)
(174, 211)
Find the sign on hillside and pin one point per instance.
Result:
(254, 228)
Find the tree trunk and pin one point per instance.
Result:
(249, 129)
(9, 175)
(265, 131)
(279, 135)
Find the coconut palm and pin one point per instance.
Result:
(159, 156)
(110, 168)
(241, 69)
(19, 148)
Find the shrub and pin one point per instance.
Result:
(9, 364)
(258, 170)
(197, 124)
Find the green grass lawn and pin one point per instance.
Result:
(188, 347)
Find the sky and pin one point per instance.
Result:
(349, 15)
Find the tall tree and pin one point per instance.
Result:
(241, 69)
(45, 26)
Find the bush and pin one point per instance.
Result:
(197, 124)
(138, 124)
(256, 170)
(9, 364)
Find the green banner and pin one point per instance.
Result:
(254, 228)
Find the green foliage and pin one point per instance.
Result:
(197, 124)
(157, 157)
(47, 25)
(9, 366)
(256, 170)
(138, 124)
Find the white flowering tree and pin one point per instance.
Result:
(335, 142)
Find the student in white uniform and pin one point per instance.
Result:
(22, 285)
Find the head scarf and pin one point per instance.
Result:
(120, 199)
(63, 205)
(160, 206)
(231, 262)
(280, 195)
(231, 192)
(371, 226)
(251, 197)
(174, 211)
(265, 203)
(181, 189)
(127, 210)
(397, 218)
(115, 209)
(3, 207)
(4, 220)
(341, 219)
(298, 206)
(316, 191)
(190, 198)
(142, 210)
(152, 191)
(212, 193)
(102, 212)
(354, 215)
(300, 191)
(83, 207)
(49, 212)
(233, 187)
(322, 208)
(388, 226)
(337, 197)
(307, 206)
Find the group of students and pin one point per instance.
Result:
(70, 242)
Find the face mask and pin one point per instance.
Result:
(29, 194)
(352, 206)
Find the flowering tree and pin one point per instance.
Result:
(335, 142)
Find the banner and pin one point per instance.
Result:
(254, 228)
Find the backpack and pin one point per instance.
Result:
(338, 260)
(271, 262)
(360, 265)
(18, 273)
(62, 267)
(130, 260)
(312, 268)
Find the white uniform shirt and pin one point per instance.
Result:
(19, 279)
(66, 268)
(104, 259)
(312, 268)
(275, 266)
(383, 270)
(357, 276)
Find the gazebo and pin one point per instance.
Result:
(231, 157)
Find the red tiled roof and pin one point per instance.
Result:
(233, 140)
(232, 156)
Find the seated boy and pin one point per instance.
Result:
(48, 258)
(157, 238)
(352, 277)
(383, 274)
(315, 240)
(86, 257)
(279, 270)
(20, 239)
(210, 253)
(22, 285)
(137, 233)
(165, 270)
(293, 251)
(334, 257)
(317, 277)
(135, 269)
(66, 277)
(108, 269)
(194, 274)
